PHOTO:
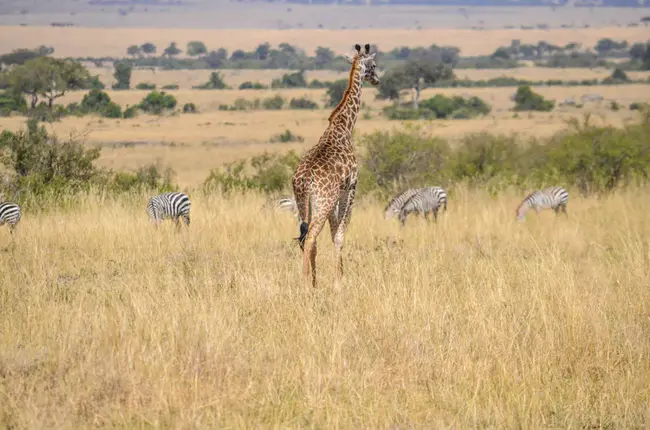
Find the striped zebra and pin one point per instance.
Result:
(10, 214)
(283, 203)
(169, 205)
(395, 205)
(554, 198)
(426, 200)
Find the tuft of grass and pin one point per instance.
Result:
(476, 321)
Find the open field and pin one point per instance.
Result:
(474, 322)
(186, 79)
(98, 42)
(193, 144)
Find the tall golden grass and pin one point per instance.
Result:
(474, 321)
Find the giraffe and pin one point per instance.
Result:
(325, 181)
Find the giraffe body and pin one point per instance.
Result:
(325, 181)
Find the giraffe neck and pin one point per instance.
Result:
(344, 116)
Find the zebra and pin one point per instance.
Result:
(10, 214)
(395, 205)
(554, 198)
(426, 200)
(173, 205)
(283, 203)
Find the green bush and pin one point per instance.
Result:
(302, 103)
(270, 173)
(215, 82)
(12, 101)
(112, 110)
(189, 108)
(145, 86)
(170, 87)
(527, 100)
(95, 101)
(131, 112)
(336, 90)
(273, 103)
(39, 163)
(440, 107)
(404, 158)
(151, 177)
(157, 102)
(593, 159)
(248, 85)
(285, 137)
(290, 80)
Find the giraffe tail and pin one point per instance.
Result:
(304, 225)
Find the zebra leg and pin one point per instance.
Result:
(564, 211)
(435, 215)
(186, 218)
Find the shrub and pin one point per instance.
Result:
(112, 110)
(273, 103)
(170, 87)
(302, 103)
(122, 75)
(131, 112)
(215, 82)
(336, 90)
(270, 173)
(156, 102)
(441, 107)
(285, 137)
(404, 158)
(150, 177)
(145, 86)
(527, 100)
(614, 106)
(618, 76)
(39, 163)
(248, 85)
(95, 101)
(95, 83)
(290, 80)
(189, 108)
(12, 101)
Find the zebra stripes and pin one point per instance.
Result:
(173, 205)
(554, 198)
(423, 202)
(395, 205)
(10, 214)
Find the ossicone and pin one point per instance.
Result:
(358, 48)
(367, 48)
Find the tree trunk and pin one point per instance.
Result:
(34, 100)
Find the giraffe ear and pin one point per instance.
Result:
(357, 47)
(367, 48)
(349, 58)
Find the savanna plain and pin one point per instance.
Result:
(474, 321)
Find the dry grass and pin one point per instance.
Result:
(476, 321)
(97, 42)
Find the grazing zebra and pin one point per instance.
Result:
(170, 205)
(283, 203)
(10, 214)
(424, 201)
(395, 205)
(549, 198)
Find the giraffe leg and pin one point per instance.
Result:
(309, 249)
(339, 221)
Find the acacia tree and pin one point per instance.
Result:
(196, 48)
(49, 78)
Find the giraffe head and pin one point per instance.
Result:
(365, 64)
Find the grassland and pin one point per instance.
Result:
(475, 321)
(97, 42)
(192, 144)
